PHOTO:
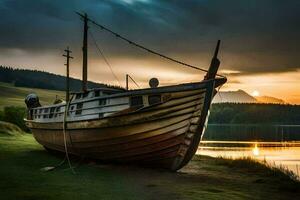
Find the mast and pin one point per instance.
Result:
(85, 55)
(67, 73)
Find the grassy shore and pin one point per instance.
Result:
(22, 158)
(14, 96)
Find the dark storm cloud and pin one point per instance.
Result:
(258, 36)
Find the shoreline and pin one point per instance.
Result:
(204, 177)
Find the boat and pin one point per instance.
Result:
(159, 126)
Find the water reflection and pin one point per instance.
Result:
(255, 150)
(285, 154)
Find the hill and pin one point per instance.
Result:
(40, 79)
(267, 99)
(14, 96)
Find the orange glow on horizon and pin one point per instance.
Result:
(284, 86)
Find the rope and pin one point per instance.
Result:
(133, 81)
(145, 48)
(104, 58)
(64, 132)
(50, 168)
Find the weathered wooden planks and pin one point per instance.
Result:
(158, 135)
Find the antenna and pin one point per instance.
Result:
(67, 73)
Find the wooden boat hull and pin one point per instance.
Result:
(165, 135)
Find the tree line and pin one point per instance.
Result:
(41, 79)
(254, 113)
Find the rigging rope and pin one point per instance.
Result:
(133, 81)
(104, 58)
(145, 48)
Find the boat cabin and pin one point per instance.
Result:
(94, 104)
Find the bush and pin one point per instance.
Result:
(15, 115)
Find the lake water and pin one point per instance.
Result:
(252, 132)
(286, 154)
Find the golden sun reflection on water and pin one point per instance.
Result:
(255, 150)
(281, 154)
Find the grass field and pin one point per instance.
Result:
(22, 158)
(14, 96)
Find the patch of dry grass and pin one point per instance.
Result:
(7, 128)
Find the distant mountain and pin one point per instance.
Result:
(40, 79)
(239, 96)
(267, 99)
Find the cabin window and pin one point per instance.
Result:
(46, 110)
(101, 115)
(154, 99)
(40, 111)
(45, 116)
(102, 102)
(57, 109)
(78, 96)
(79, 109)
(136, 101)
(85, 94)
(72, 108)
(97, 93)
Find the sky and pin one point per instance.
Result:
(260, 40)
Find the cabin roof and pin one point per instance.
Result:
(107, 89)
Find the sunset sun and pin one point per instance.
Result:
(255, 93)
